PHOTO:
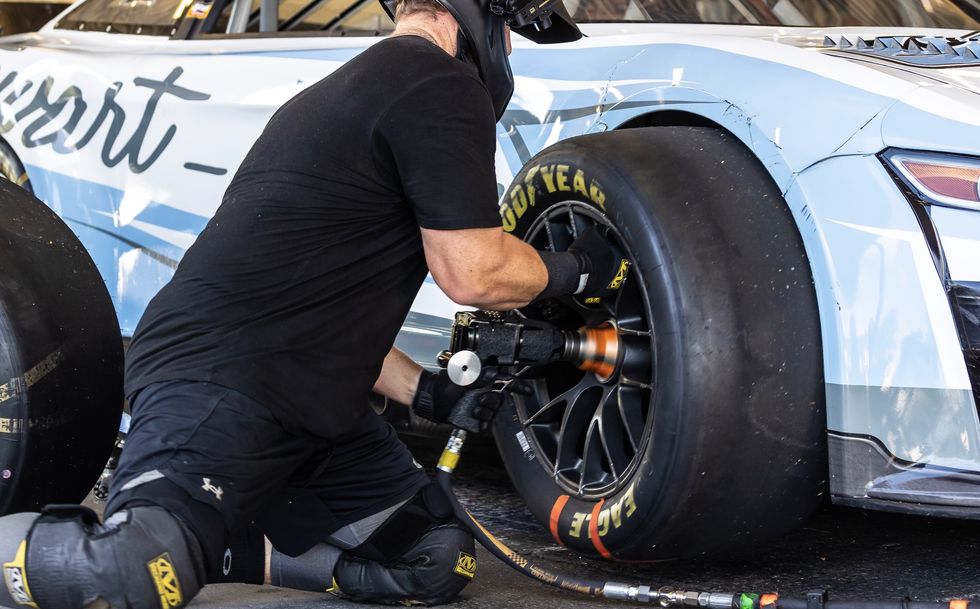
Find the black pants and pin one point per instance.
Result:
(237, 464)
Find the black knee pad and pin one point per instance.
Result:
(141, 558)
(432, 572)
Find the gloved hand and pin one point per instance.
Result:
(472, 407)
(601, 260)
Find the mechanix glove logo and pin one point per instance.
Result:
(617, 282)
(168, 587)
(16, 579)
(466, 565)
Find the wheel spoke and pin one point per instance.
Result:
(562, 235)
(629, 332)
(629, 305)
(578, 223)
(593, 472)
(632, 412)
(636, 366)
(575, 427)
(628, 382)
(613, 434)
(568, 397)
(560, 229)
(551, 240)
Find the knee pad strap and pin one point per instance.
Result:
(141, 558)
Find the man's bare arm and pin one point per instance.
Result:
(399, 377)
(484, 267)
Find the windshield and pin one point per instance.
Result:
(959, 14)
(151, 17)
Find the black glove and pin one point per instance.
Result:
(601, 261)
(472, 407)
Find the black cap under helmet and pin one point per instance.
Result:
(482, 23)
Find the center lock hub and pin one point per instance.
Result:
(595, 350)
(487, 338)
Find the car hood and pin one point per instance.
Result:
(922, 55)
(945, 59)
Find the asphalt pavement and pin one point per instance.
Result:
(854, 554)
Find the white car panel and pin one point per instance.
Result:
(133, 140)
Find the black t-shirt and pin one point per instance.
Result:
(295, 290)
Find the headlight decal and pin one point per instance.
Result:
(938, 179)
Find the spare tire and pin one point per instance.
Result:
(61, 359)
(709, 435)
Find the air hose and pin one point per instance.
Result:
(665, 596)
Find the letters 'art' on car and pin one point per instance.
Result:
(861, 120)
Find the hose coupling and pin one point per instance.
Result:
(716, 600)
(450, 455)
(626, 592)
(668, 597)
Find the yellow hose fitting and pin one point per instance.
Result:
(450, 455)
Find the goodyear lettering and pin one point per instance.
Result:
(598, 197)
(578, 183)
(466, 565)
(165, 578)
(529, 186)
(518, 200)
(562, 178)
(550, 179)
(507, 218)
(548, 175)
(611, 517)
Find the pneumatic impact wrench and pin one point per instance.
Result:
(480, 339)
(489, 338)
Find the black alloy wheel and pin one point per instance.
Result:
(588, 429)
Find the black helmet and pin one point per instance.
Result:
(481, 23)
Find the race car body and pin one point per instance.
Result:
(131, 123)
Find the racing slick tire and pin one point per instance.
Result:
(61, 359)
(709, 436)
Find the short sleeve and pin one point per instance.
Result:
(441, 137)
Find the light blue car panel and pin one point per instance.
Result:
(815, 118)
